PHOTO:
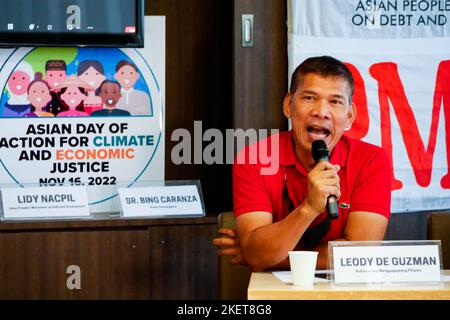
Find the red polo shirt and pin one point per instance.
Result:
(365, 179)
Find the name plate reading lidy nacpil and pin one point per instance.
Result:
(387, 264)
(45, 202)
(161, 201)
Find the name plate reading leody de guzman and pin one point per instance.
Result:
(45, 202)
(386, 264)
(160, 201)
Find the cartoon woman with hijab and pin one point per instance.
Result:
(39, 97)
(18, 104)
(91, 72)
(73, 95)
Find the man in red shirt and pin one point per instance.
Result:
(286, 211)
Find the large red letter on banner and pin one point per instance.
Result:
(361, 125)
(390, 86)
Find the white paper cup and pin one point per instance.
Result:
(303, 267)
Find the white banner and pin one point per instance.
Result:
(399, 55)
(84, 116)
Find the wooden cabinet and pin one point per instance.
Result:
(117, 259)
(183, 263)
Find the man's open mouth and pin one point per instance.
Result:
(317, 132)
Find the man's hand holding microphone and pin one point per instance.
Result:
(323, 182)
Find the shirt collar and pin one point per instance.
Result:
(123, 90)
(288, 157)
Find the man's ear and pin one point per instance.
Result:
(287, 105)
(352, 112)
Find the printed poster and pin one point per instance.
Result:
(84, 116)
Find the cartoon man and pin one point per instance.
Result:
(55, 74)
(110, 94)
(135, 101)
(18, 82)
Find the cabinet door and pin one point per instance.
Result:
(183, 262)
(112, 265)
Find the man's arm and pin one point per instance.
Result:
(265, 244)
(361, 226)
(263, 252)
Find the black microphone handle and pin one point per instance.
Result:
(332, 203)
(320, 152)
(332, 207)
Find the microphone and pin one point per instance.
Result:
(320, 152)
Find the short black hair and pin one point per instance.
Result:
(105, 82)
(55, 65)
(122, 63)
(324, 66)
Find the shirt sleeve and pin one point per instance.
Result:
(249, 191)
(372, 191)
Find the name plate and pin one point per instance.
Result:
(161, 201)
(386, 263)
(45, 202)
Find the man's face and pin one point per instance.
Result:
(110, 94)
(55, 77)
(320, 109)
(127, 76)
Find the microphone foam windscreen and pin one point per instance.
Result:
(319, 150)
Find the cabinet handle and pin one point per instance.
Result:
(248, 30)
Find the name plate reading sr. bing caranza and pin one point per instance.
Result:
(387, 264)
(45, 202)
(161, 201)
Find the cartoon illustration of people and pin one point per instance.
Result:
(39, 96)
(18, 104)
(55, 74)
(135, 101)
(91, 72)
(73, 95)
(110, 94)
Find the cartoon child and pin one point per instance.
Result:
(18, 104)
(135, 101)
(55, 74)
(110, 94)
(91, 72)
(73, 95)
(39, 97)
